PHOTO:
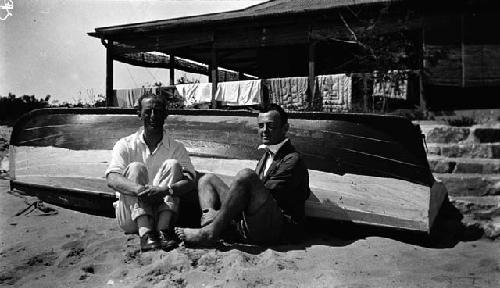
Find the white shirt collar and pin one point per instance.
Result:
(164, 139)
(273, 148)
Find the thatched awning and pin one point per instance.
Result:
(146, 59)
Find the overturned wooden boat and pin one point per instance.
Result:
(363, 168)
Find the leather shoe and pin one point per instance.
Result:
(149, 241)
(168, 240)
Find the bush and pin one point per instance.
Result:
(12, 107)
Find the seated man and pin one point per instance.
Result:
(267, 205)
(149, 170)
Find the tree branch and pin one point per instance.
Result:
(355, 37)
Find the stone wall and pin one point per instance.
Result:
(4, 150)
(467, 160)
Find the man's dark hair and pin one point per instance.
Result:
(138, 105)
(277, 108)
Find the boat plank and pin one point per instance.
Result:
(336, 146)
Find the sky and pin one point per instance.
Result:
(45, 49)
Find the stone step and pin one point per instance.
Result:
(474, 185)
(438, 133)
(483, 212)
(471, 150)
(445, 134)
(440, 164)
(487, 135)
(482, 208)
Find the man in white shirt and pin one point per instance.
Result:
(149, 171)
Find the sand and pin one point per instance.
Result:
(65, 248)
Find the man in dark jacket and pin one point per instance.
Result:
(266, 206)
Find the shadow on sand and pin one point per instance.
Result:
(447, 231)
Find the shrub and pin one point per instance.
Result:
(12, 107)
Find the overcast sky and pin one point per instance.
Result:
(45, 49)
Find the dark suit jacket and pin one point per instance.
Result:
(287, 179)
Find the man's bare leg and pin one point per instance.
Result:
(211, 189)
(247, 193)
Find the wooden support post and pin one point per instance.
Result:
(172, 68)
(12, 162)
(215, 76)
(209, 73)
(312, 75)
(462, 48)
(365, 93)
(423, 102)
(109, 74)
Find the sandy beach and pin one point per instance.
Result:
(49, 246)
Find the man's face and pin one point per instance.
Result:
(153, 113)
(271, 130)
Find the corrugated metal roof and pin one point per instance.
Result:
(266, 9)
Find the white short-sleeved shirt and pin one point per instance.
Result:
(133, 148)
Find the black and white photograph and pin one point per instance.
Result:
(142, 143)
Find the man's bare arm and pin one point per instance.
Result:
(123, 185)
(155, 194)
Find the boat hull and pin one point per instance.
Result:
(363, 168)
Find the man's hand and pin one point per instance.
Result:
(153, 194)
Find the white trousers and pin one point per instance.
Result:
(128, 208)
